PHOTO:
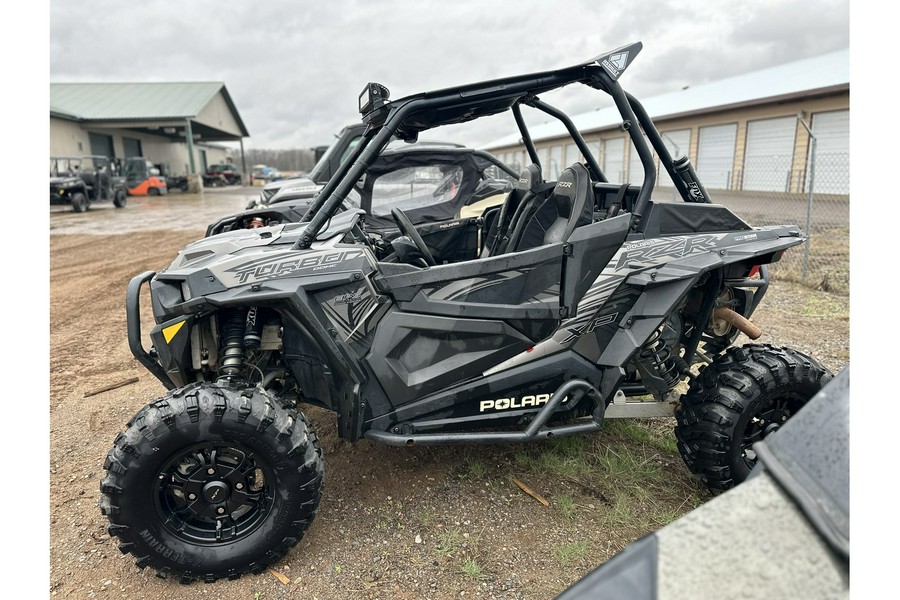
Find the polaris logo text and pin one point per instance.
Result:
(510, 403)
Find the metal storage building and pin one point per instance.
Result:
(177, 123)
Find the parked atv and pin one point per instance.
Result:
(448, 192)
(588, 301)
(84, 180)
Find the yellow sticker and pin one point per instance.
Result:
(170, 331)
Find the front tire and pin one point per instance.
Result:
(212, 481)
(79, 202)
(120, 199)
(744, 395)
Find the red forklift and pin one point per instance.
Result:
(142, 178)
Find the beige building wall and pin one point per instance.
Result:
(217, 114)
(67, 138)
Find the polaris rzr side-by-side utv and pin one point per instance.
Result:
(587, 301)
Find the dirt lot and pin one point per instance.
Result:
(393, 523)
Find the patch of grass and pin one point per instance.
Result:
(569, 446)
(570, 553)
(475, 469)
(627, 466)
(620, 514)
(523, 459)
(825, 306)
(426, 517)
(566, 505)
(449, 542)
(655, 436)
(551, 462)
(471, 569)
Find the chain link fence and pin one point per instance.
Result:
(769, 191)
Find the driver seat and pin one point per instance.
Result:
(570, 205)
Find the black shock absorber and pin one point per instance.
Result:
(233, 330)
(688, 175)
(253, 329)
(657, 352)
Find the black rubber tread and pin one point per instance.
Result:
(196, 413)
(721, 401)
(79, 202)
(120, 199)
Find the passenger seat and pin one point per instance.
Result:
(570, 205)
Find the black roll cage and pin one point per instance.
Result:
(406, 117)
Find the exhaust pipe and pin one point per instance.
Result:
(737, 320)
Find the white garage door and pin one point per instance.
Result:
(635, 166)
(832, 131)
(678, 143)
(769, 154)
(614, 159)
(555, 167)
(715, 156)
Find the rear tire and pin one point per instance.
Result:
(152, 191)
(79, 202)
(120, 199)
(212, 481)
(744, 395)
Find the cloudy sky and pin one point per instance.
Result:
(295, 69)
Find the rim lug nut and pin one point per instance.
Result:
(211, 471)
(192, 496)
(239, 486)
(220, 510)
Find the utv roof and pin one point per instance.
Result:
(472, 101)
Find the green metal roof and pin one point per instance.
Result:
(136, 101)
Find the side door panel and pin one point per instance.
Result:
(452, 322)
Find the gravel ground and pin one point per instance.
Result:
(393, 523)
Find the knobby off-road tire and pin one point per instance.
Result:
(742, 396)
(212, 481)
(79, 202)
(120, 199)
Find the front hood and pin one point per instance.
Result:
(243, 256)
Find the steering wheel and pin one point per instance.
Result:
(407, 229)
